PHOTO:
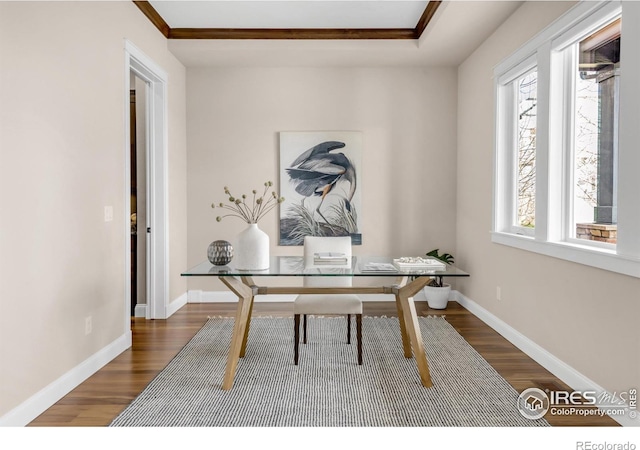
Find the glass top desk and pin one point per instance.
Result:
(403, 284)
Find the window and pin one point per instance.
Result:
(593, 158)
(518, 105)
(526, 158)
(566, 162)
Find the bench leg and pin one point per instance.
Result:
(359, 336)
(296, 337)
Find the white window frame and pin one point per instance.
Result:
(550, 236)
(565, 68)
(507, 135)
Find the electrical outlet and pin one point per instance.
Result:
(88, 325)
(498, 293)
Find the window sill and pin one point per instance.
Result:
(600, 258)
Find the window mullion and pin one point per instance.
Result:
(569, 64)
(502, 164)
(543, 144)
(557, 121)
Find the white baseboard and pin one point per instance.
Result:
(176, 304)
(560, 369)
(48, 396)
(141, 308)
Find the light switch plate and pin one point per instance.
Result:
(108, 213)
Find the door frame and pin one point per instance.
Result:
(157, 277)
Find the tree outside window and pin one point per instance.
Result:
(526, 162)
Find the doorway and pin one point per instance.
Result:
(155, 229)
(138, 177)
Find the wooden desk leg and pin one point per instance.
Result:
(243, 348)
(404, 296)
(243, 316)
(248, 281)
(406, 345)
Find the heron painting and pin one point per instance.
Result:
(319, 178)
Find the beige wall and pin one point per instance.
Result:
(408, 120)
(584, 316)
(62, 154)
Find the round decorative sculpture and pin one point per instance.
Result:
(220, 253)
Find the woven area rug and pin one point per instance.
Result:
(328, 388)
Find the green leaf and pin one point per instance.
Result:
(446, 258)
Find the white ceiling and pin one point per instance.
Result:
(455, 31)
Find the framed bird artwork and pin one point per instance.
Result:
(319, 174)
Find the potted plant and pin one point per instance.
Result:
(437, 293)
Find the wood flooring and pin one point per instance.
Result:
(98, 400)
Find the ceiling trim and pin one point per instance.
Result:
(426, 17)
(154, 17)
(288, 33)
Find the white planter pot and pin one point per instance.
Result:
(437, 297)
(252, 249)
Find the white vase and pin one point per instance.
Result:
(437, 297)
(252, 249)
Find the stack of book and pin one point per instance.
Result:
(417, 263)
(330, 258)
(378, 268)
